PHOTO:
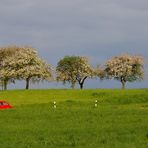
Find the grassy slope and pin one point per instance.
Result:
(120, 120)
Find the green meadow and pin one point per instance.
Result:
(120, 119)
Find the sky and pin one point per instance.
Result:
(98, 29)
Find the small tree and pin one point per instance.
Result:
(125, 68)
(74, 69)
(100, 72)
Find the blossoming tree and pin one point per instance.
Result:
(6, 75)
(74, 69)
(125, 68)
(25, 64)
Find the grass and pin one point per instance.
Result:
(119, 121)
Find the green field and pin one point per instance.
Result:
(119, 121)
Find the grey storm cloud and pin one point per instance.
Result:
(99, 29)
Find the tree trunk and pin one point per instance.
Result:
(73, 85)
(123, 84)
(81, 82)
(2, 85)
(5, 84)
(27, 83)
(81, 85)
(123, 81)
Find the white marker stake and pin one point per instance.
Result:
(54, 104)
(96, 103)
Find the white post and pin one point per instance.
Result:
(96, 103)
(54, 104)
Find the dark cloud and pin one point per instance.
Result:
(99, 29)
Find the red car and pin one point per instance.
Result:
(4, 105)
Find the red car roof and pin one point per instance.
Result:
(4, 105)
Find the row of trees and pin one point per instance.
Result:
(23, 63)
(125, 68)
